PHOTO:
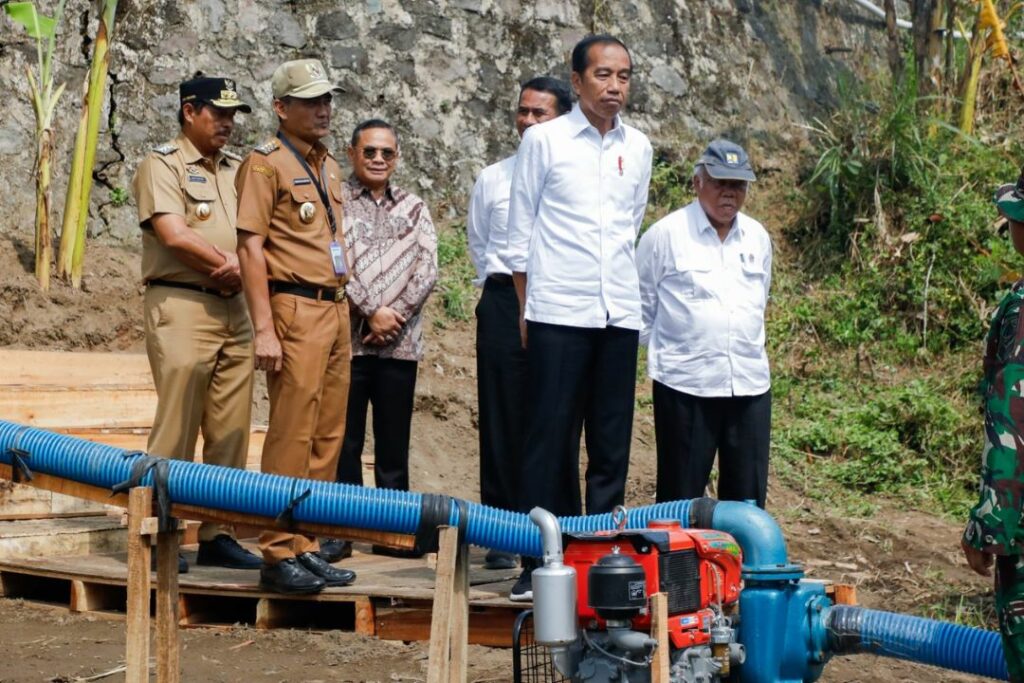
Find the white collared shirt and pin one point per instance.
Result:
(487, 222)
(704, 302)
(575, 209)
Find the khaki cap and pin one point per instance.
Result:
(302, 78)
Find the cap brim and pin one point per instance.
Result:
(726, 173)
(232, 104)
(315, 89)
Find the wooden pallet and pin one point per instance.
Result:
(391, 599)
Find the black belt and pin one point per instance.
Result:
(501, 278)
(316, 293)
(195, 288)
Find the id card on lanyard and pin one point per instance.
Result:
(337, 252)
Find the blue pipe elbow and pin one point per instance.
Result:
(764, 547)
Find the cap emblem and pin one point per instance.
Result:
(732, 158)
(315, 72)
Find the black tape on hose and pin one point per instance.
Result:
(435, 511)
(845, 629)
(19, 467)
(286, 518)
(161, 471)
(701, 512)
(463, 518)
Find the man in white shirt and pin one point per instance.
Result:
(705, 271)
(579, 192)
(500, 357)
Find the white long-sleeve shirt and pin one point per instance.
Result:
(703, 304)
(487, 222)
(574, 213)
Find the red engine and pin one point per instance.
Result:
(695, 568)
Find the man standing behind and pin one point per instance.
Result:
(705, 271)
(392, 247)
(198, 335)
(579, 192)
(500, 356)
(293, 265)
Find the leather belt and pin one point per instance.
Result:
(195, 288)
(315, 293)
(501, 278)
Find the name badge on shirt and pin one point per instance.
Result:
(338, 259)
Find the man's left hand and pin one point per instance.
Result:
(228, 274)
(979, 560)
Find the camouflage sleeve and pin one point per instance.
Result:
(994, 525)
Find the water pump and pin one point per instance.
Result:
(605, 635)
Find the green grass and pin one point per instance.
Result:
(456, 273)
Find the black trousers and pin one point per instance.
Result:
(689, 430)
(501, 388)
(388, 385)
(578, 375)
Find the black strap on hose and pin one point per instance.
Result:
(845, 627)
(286, 518)
(435, 511)
(19, 468)
(463, 518)
(160, 467)
(701, 512)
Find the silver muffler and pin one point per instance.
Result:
(554, 595)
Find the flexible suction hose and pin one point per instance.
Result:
(267, 495)
(960, 648)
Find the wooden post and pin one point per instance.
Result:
(140, 506)
(450, 619)
(659, 630)
(167, 658)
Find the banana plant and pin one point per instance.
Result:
(988, 38)
(76, 206)
(44, 101)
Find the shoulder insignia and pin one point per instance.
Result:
(268, 147)
(231, 155)
(165, 148)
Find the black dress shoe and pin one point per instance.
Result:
(334, 549)
(397, 552)
(224, 551)
(182, 562)
(290, 577)
(497, 559)
(331, 576)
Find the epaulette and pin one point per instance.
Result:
(268, 147)
(231, 155)
(165, 148)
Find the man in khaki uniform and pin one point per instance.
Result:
(291, 251)
(198, 335)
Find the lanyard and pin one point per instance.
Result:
(320, 190)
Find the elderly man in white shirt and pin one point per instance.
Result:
(705, 271)
(579, 192)
(500, 357)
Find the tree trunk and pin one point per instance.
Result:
(44, 248)
(895, 53)
(927, 19)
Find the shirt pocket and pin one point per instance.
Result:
(694, 278)
(755, 280)
(307, 211)
(199, 202)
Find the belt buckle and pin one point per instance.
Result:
(339, 294)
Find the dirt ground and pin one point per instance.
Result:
(900, 560)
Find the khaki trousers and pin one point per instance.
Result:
(308, 399)
(201, 355)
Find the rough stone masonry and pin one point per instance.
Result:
(446, 72)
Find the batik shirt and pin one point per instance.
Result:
(995, 525)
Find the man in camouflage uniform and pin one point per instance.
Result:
(994, 530)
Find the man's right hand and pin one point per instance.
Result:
(978, 560)
(268, 351)
(386, 323)
(228, 274)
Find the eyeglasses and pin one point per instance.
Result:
(386, 153)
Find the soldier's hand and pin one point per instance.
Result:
(386, 323)
(268, 351)
(227, 275)
(978, 560)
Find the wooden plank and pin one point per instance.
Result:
(366, 617)
(63, 407)
(25, 502)
(73, 536)
(659, 631)
(168, 665)
(79, 490)
(460, 617)
(63, 368)
(140, 506)
(439, 663)
(845, 594)
(87, 596)
(490, 626)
